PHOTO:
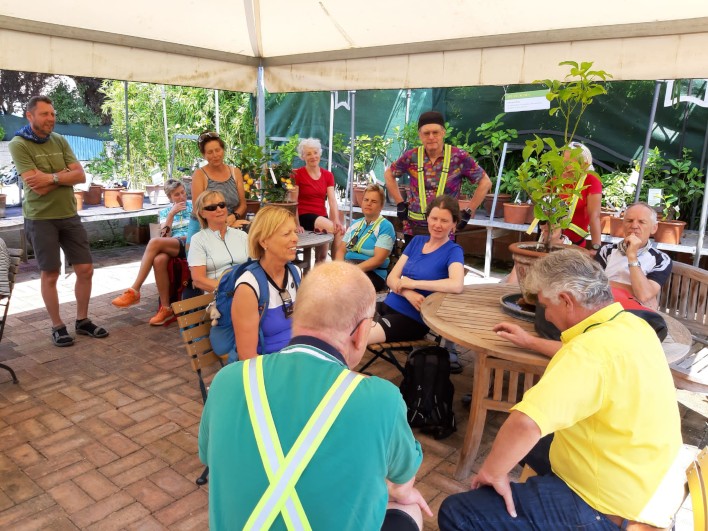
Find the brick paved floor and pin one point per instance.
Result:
(103, 435)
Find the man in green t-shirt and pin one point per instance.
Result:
(50, 170)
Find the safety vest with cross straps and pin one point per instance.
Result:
(422, 195)
(283, 471)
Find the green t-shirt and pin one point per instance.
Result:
(51, 157)
(343, 487)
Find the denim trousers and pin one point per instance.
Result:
(543, 503)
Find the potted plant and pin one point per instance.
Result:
(669, 229)
(368, 151)
(617, 194)
(549, 172)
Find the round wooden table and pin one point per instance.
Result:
(468, 319)
(308, 240)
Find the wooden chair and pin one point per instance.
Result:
(697, 476)
(387, 351)
(15, 258)
(685, 298)
(194, 326)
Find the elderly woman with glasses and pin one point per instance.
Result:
(174, 221)
(316, 186)
(368, 241)
(272, 241)
(217, 246)
(219, 177)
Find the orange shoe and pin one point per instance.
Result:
(129, 298)
(164, 316)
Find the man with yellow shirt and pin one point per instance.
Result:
(607, 397)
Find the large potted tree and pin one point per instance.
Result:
(550, 170)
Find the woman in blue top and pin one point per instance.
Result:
(174, 221)
(272, 240)
(429, 264)
(368, 241)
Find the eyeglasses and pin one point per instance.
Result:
(204, 136)
(212, 208)
(288, 304)
(373, 323)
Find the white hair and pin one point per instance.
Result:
(309, 143)
(585, 154)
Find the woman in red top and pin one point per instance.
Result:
(316, 185)
(587, 211)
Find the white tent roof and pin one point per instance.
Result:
(352, 44)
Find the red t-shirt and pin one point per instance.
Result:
(312, 196)
(581, 217)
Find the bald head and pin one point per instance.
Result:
(332, 299)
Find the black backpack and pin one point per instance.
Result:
(427, 391)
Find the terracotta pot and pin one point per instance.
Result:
(530, 216)
(137, 234)
(3, 203)
(252, 206)
(501, 199)
(669, 232)
(94, 194)
(132, 199)
(605, 223)
(617, 227)
(516, 213)
(358, 196)
(79, 195)
(292, 194)
(292, 207)
(524, 255)
(111, 197)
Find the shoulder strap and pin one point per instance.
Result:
(295, 272)
(205, 174)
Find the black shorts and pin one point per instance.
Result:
(397, 520)
(47, 236)
(399, 327)
(307, 221)
(182, 249)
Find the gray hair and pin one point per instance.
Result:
(585, 154)
(570, 271)
(171, 185)
(309, 143)
(650, 209)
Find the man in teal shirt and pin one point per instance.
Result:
(50, 170)
(365, 461)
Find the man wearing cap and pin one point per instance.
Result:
(435, 168)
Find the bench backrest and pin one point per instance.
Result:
(685, 297)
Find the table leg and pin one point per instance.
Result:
(478, 417)
(307, 258)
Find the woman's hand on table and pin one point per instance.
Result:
(415, 298)
(299, 229)
(514, 333)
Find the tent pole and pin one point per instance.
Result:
(350, 178)
(127, 131)
(216, 110)
(647, 140)
(702, 225)
(331, 129)
(167, 135)
(260, 113)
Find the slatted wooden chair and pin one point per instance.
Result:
(697, 476)
(194, 326)
(16, 256)
(685, 298)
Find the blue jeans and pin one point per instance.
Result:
(543, 502)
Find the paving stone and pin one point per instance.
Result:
(25, 455)
(99, 511)
(173, 483)
(121, 518)
(149, 495)
(182, 508)
(96, 484)
(119, 444)
(139, 472)
(70, 497)
(98, 454)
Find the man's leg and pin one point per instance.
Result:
(82, 289)
(48, 285)
(155, 247)
(162, 278)
(543, 502)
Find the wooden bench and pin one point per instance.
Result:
(685, 298)
(15, 256)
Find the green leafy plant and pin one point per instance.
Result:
(616, 192)
(489, 148)
(368, 151)
(549, 172)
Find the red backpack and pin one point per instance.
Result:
(180, 278)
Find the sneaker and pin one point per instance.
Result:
(129, 297)
(164, 316)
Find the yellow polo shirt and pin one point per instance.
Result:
(609, 398)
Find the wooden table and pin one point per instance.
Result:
(307, 241)
(468, 319)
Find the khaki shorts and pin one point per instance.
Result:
(47, 236)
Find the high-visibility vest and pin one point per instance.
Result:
(284, 471)
(360, 242)
(422, 196)
(571, 212)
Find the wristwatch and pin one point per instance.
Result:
(633, 264)
(595, 246)
(55, 178)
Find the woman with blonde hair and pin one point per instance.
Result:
(272, 243)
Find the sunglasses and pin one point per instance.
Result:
(205, 136)
(288, 304)
(352, 243)
(212, 208)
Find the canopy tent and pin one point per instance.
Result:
(308, 45)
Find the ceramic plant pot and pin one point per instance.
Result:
(79, 195)
(669, 232)
(516, 213)
(501, 199)
(111, 197)
(94, 195)
(132, 199)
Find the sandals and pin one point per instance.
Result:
(85, 327)
(61, 338)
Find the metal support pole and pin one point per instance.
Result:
(350, 177)
(127, 131)
(167, 135)
(217, 118)
(260, 120)
(331, 129)
(647, 139)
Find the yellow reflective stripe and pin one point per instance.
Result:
(578, 230)
(296, 451)
(423, 197)
(260, 441)
(357, 248)
(571, 212)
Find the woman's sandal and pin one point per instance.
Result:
(85, 327)
(61, 338)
